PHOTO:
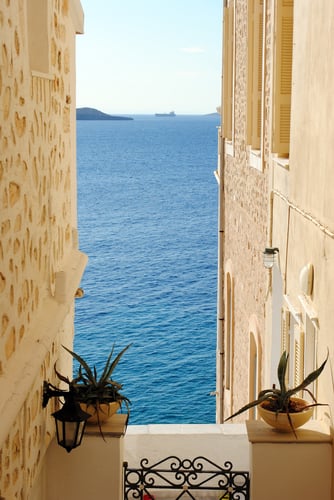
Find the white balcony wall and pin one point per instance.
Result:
(217, 442)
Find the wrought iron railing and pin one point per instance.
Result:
(185, 479)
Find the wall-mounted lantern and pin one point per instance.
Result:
(70, 419)
(269, 257)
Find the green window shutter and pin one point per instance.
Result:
(282, 77)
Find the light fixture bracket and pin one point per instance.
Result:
(70, 420)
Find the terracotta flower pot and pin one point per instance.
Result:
(280, 421)
(100, 412)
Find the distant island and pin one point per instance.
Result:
(95, 114)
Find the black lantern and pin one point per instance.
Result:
(70, 419)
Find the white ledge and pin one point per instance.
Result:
(312, 432)
(227, 429)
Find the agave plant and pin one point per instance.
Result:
(92, 389)
(280, 400)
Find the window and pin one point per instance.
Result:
(310, 350)
(298, 338)
(254, 365)
(254, 74)
(292, 338)
(38, 36)
(285, 326)
(282, 77)
(228, 332)
(228, 71)
(297, 354)
(228, 340)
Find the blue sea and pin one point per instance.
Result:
(147, 205)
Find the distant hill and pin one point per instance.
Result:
(95, 114)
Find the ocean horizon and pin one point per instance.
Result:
(147, 218)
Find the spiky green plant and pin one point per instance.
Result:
(89, 388)
(279, 400)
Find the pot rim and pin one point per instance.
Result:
(280, 412)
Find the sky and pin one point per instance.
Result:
(150, 56)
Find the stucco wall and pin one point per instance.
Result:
(304, 192)
(37, 228)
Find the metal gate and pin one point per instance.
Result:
(174, 478)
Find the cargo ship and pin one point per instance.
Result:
(162, 115)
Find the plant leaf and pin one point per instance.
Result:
(308, 380)
(109, 368)
(266, 395)
(61, 377)
(104, 375)
(281, 371)
(84, 365)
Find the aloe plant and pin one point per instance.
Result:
(89, 387)
(279, 399)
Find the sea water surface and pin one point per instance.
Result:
(147, 205)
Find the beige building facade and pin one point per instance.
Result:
(40, 263)
(275, 177)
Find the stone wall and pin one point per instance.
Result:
(246, 212)
(37, 229)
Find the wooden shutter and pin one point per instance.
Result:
(285, 327)
(250, 44)
(38, 35)
(298, 355)
(257, 74)
(228, 71)
(282, 77)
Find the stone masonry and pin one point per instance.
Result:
(37, 228)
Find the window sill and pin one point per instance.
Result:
(255, 159)
(281, 161)
(41, 74)
(229, 148)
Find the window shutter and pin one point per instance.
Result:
(228, 72)
(285, 327)
(38, 36)
(298, 356)
(283, 77)
(257, 75)
(250, 66)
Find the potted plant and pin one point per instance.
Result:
(279, 407)
(99, 395)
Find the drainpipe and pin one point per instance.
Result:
(220, 360)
